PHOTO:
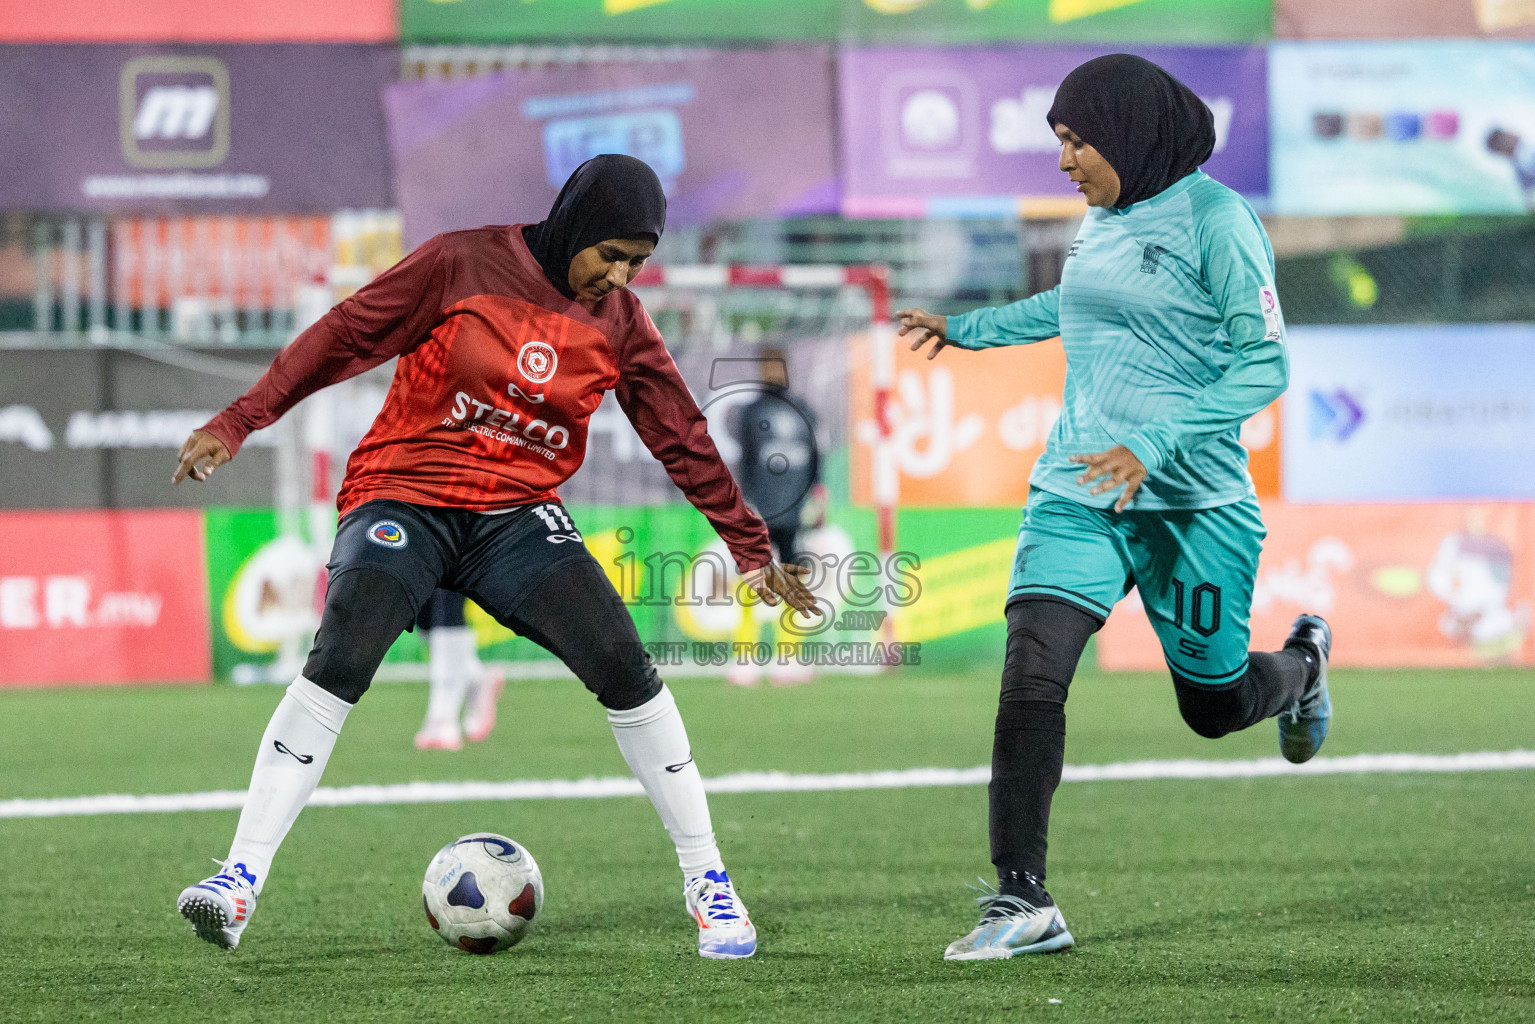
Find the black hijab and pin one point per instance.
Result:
(609, 196)
(1149, 126)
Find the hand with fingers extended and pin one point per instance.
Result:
(1120, 466)
(783, 580)
(923, 328)
(200, 456)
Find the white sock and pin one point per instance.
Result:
(297, 743)
(449, 672)
(653, 740)
(467, 653)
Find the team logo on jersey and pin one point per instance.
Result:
(387, 533)
(1151, 258)
(537, 361)
(1273, 320)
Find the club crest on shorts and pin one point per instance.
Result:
(537, 361)
(387, 533)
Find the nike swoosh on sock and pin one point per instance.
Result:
(309, 758)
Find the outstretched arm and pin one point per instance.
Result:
(1021, 323)
(653, 395)
(387, 317)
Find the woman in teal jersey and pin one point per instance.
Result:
(1173, 338)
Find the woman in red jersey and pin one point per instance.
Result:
(507, 338)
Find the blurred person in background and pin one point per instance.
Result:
(507, 339)
(780, 474)
(780, 467)
(1173, 337)
(455, 677)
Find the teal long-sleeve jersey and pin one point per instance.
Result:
(1173, 338)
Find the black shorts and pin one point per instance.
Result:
(497, 561)
(528, 568)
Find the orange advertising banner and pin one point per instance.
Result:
(1401, 585)
(198, 21)
(1260, 436)
(968, 426)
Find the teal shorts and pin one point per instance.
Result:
(1194, 571)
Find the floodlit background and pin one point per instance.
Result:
(184, 186)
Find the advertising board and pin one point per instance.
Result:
(1403, 19)
(184, 129)
(1436, 127)
(1411, 413)
(1447, 585)
(102, 597)
(943, 21)
(738, 135)
(964, 440)
(95, 429)
(961, 131)
(195, 21)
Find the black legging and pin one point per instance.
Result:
(1045, 640)
(574, 614)
(443, 610)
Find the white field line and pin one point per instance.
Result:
(770, 782)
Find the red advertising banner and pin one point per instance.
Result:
(197, 21)
(236, 262)
(1401, 585)
(103, 597)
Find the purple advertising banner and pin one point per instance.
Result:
(962, 131)
(194, 129)
(737, 135)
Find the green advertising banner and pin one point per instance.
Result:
(944, 590)
(855, 21)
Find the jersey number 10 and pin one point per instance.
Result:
(1204, 606)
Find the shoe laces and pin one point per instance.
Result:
(995, 904)
(228, 869)
(715, 898)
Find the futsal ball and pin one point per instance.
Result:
(482, 893)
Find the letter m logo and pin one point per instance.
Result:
(174, 112)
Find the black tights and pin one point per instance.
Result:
(1045, 640)
(574, 614)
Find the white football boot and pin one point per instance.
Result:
(724, 930)
(443, 735)
(220, 907)
(1011, 925)
(481, 718)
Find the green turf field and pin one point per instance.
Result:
(1369, 897)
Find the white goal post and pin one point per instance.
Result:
(875, 282)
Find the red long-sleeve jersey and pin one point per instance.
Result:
(498, 376)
